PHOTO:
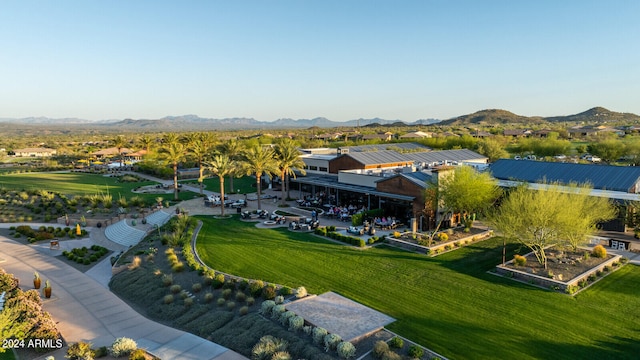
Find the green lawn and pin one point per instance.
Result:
(79, 184)
(449, 303)
(7, 355)
(245, 184)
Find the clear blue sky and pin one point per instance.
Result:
(342, 59)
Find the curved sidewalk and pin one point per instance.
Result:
(86, 311)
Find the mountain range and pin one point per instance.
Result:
(193, 122)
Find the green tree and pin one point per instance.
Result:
(558, 214)
(492, 149)
(461, 190)
(146, 142)
(608, 150)
(288, 160)
(199, 147)
(234, 149)
(174, 152)
(119, 142)
(260, 160)
(221, 165)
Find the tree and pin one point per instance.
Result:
(119, 142)
(461, 190)
(260, 160)
(609, 150)
(199, 147)
(558, 214)
(146, 142)
(232, 148)
(492, 149)
(288, 159)
(221, 165)
(174, 152)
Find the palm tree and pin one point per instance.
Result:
(288, 159)
(232, 148)
(119, 142)
(199, 147)
(221, 165)
(260, 160)
(174, 152)
(147, 142)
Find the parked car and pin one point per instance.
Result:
(238, 204)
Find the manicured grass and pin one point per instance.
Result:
(80, 184)
(245, 185)
(449, 303)
(7, 355)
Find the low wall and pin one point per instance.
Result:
(438, 248)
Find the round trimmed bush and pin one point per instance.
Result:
(296, 323)
(301, 292)
(380, 348)
(240, 297)
(251, 301)
(276, 311)
(396, 342)
(175, 288)
(168, 299)
(196, 288)
(221, 302)
(346, 350)
(243, 311)
(255, 288)
(269, 292)
(519, 260)
(285, 316)
(318, 335)
(208, 297)
(331, 342)
(279, 299)
(415, 352)
(266, 307)
(599, 251)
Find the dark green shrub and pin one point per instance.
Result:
(255, 288)
(396, 342)
(362, 243)
(285, 290)
(415, 352)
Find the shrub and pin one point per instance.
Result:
(218, 281)
(267, 347)
(415, 352)
(285, 290)
(331, 342)
(255, 288)
(208, 297)
(285, 316)
(175, 288)
(281, 355)
(240, 296)
(599, 251)
(123, 346)
(301, 292)
(243, 311)
(279, 299)
(80, 351)
(346, 350)
(138, 354)
(251, 301)
(184, 294)
(307, 329)
(396, 234)
(362, 243)
(380, 348)
(221, 302)
(318, 335)
(269, 292)
(276, 311)
(390, 355)
(102, 351)
(266, 307)
(167, 280)
(396, 342)
(443, 237)
(178, 267)
(231, 305)
(296, 323)
(519, 260)
(168, 299)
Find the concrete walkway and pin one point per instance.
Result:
(87, 311)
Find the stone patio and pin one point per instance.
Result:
(340, 315)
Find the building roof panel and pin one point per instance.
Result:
(459, 155)
(603, 177)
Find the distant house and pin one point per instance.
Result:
(387, 136)
(34, 152)
(542, 133)
(516, 133)
(592, 130)
(416, 135)
(113, 151)
(481, 134)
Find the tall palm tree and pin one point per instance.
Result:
(221, 165)
(119, 142)
(200, 148)
(146, 142)
(174, 152)
(232, 148)
(288, 159)
(260, 160)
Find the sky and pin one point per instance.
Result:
(343, 60)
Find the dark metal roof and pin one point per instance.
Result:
(459, 155)
(332, 182)
(420, 178)
(603, 177)
(408, 146)
(378, 157)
